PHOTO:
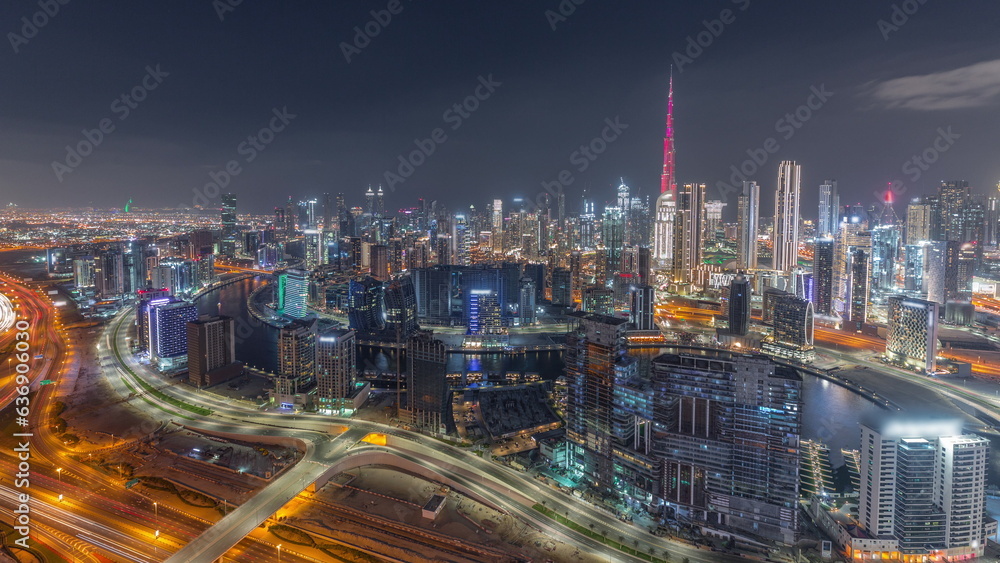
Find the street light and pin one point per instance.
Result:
(279, 553)
(59, 473)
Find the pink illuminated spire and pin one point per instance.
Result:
(667, 180)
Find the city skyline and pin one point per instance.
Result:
(891, 108)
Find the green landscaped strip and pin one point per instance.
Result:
(594, 535)
(152, 390)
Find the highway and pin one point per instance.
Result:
(107, 505)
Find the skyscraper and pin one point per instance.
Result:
(668, 183)
(911, 334)
(748, 216)
(336, 369)
(918, 222)
(739, 306)
(642, 307)
(293, 293)
(823, 276)
(786, 216)
(885, 258)
(829, 208)
(562, 284)
(663, 230)
(211, 345)
(613, 237)
(496, 227)
(595, 347)
(953, 197)
(726, 433)
(687, 232)
(228, 215)
(168, 332)
(296, 359)
(426, 383)
(599, 300)
(793, 327)
(366, 311)
(400, 299)
(379, 261)
(859, 271)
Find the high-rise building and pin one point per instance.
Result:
(687, 251)
(991, 233)
(526, 312)
(739, 306)
(168, 333)
(293, 293)
(911, 334)
(918, 221)
(370, 202)
(642, 309)
(793, 327)
(953, 197)
(923, 485)
(484, 312)
(426, 381)
(400, 300)
(712, 219)
(725, 433)
(823, 257)
(786, 216)
(663, 230)
(668, 183)
(496, 227)
(228, 215)
(314, 251)
(748, 216)
(296, 359)
(859, 271)
(336, 370)
(599, 300)
(366, 309)
(829, 208)
(83, 272)
(379, 261)
(885, 258)
(613, 237)
(211, 343)
(109, 273)
(595, 348)
(941, 270)
(913, 267)
(562, 287)
(146, 298)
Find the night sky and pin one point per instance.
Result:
(896, 91)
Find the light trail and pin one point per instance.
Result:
(7, 314)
